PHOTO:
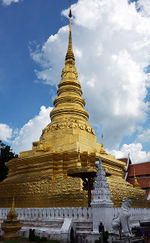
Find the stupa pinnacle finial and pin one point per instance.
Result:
(70, 14)
(12, 210)
(102, 150)
(136, 184)
(70, 56)
(12, 213)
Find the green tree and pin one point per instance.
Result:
(5, 155)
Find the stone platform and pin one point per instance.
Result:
(129, 240)
(56, 223)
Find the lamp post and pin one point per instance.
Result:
(87, 175)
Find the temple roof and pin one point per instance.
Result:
(140, 169)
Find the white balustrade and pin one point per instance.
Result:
(29, 214)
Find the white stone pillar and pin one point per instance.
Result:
(102, 206)
(102, 214)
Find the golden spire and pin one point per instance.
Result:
(136, 184)
(12, 213)
(70, 56)
(102, 150)
(69, 104)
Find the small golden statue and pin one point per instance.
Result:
(11, 225)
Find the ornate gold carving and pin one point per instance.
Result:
(67, 123)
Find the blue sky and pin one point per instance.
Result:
(111, 43)
(22, 25)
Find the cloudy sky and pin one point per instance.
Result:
(111, 42)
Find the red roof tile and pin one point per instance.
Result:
(144, 182)
(140, 169)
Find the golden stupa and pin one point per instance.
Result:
(11, 224)
(38, 177)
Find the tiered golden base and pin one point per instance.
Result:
(42, 181)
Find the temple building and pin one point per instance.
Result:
(139, 174)
(39, 177)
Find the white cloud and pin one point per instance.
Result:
(144, 136)
(5, 132)
(144, 6)
(8, 2)
(111, 42)
(31, 131)
(135, 150)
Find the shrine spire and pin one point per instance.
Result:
(70, 59)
